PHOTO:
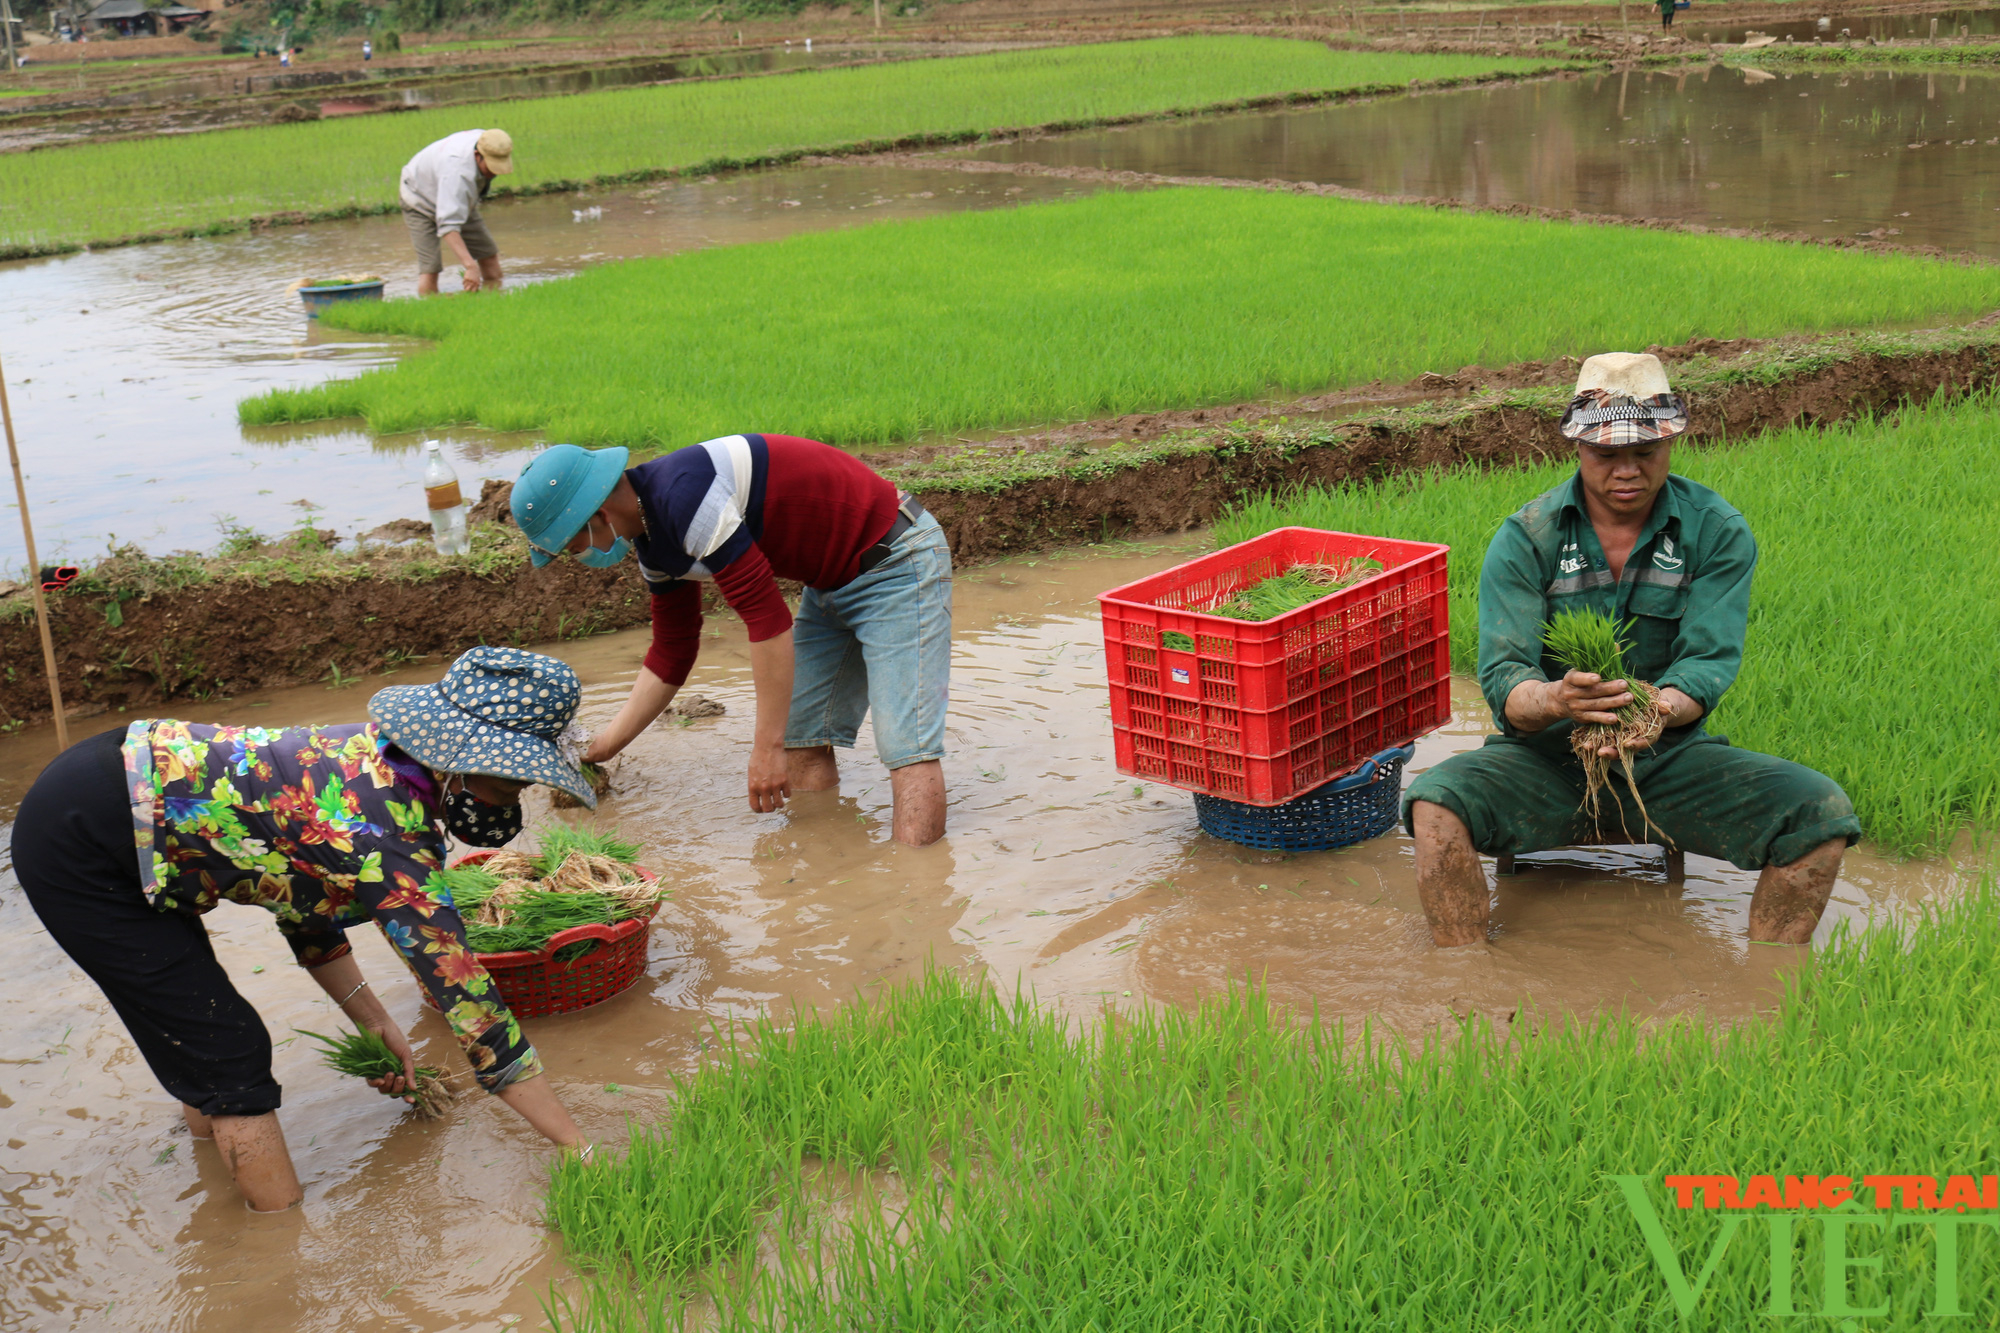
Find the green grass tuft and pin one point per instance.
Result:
(1877, 575)
(1234, 1168)
(1069, 311)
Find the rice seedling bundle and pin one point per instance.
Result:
(1234, 1167)
(579, 877)
(1842, 650)
(1301, 585)
(76, 194)
(1582, 640)
(1120, 302)
(364, 1054)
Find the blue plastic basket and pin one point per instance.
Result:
(319, 298)
(1355, 808)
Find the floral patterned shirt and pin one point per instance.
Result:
(318, 825)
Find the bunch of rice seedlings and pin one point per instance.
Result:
(1584, 640)
(1301, 585)
(594, 774)
(1208, 283)
(578, 877)
(365, 1054)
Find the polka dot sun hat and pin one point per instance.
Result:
(499, 711)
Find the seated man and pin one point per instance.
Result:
(1624, 538)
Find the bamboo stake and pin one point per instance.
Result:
(34, 570)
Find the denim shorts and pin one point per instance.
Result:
(880, 644)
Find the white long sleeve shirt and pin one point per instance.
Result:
(443, 180)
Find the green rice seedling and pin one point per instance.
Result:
(364, 1054)
(1840, 649)
(77, 194)
(1301, 585)
(1237, 1166)
(558, 841)
(1163, 299)
(1584, 640)
(594, 774)
(577, 877)
(1179, 642)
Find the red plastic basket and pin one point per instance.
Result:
(534, 984)
(1262, 712)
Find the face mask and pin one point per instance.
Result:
(604, 559)
(481, 823)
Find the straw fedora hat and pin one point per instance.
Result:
(1623, 398)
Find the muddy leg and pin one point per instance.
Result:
(919, 795)
(253, 1147)
(1789, 899)
(812, 769)
(197, 1123)
(1450, 881)
(427, 284)
(489, 273)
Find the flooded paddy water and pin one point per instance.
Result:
(1901, 157)
(126, 365)
(1057, 873)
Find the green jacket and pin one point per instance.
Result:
(1686, 588)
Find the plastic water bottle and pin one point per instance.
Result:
(446, 504)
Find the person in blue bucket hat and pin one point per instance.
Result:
(127, 839)
(872, 637)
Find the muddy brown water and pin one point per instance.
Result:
(1057, 873)
(1910, 158)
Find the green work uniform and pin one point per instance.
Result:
(1686, 591)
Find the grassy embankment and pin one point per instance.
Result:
(1116, 303)
(1912, 55)
(1233, 1169)
(92, 193)
(1877, 581)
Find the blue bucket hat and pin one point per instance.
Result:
(498, 711)
(558, 491)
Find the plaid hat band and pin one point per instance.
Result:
(1613, 421)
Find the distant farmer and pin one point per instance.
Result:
(1626, 539)
(367, 49)
(1666, 14)
(128, 839)
(873, 634)
(441, 190)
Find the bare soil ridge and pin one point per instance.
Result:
(127, 637)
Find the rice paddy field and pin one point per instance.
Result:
(1115, 303)
(1877, 581)
(947, 1158)
(75, 195)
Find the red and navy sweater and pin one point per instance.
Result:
(746, 511)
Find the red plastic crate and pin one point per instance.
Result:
(1262, 712)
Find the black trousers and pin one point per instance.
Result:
(75, 856)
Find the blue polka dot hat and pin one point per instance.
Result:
(499, 711)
